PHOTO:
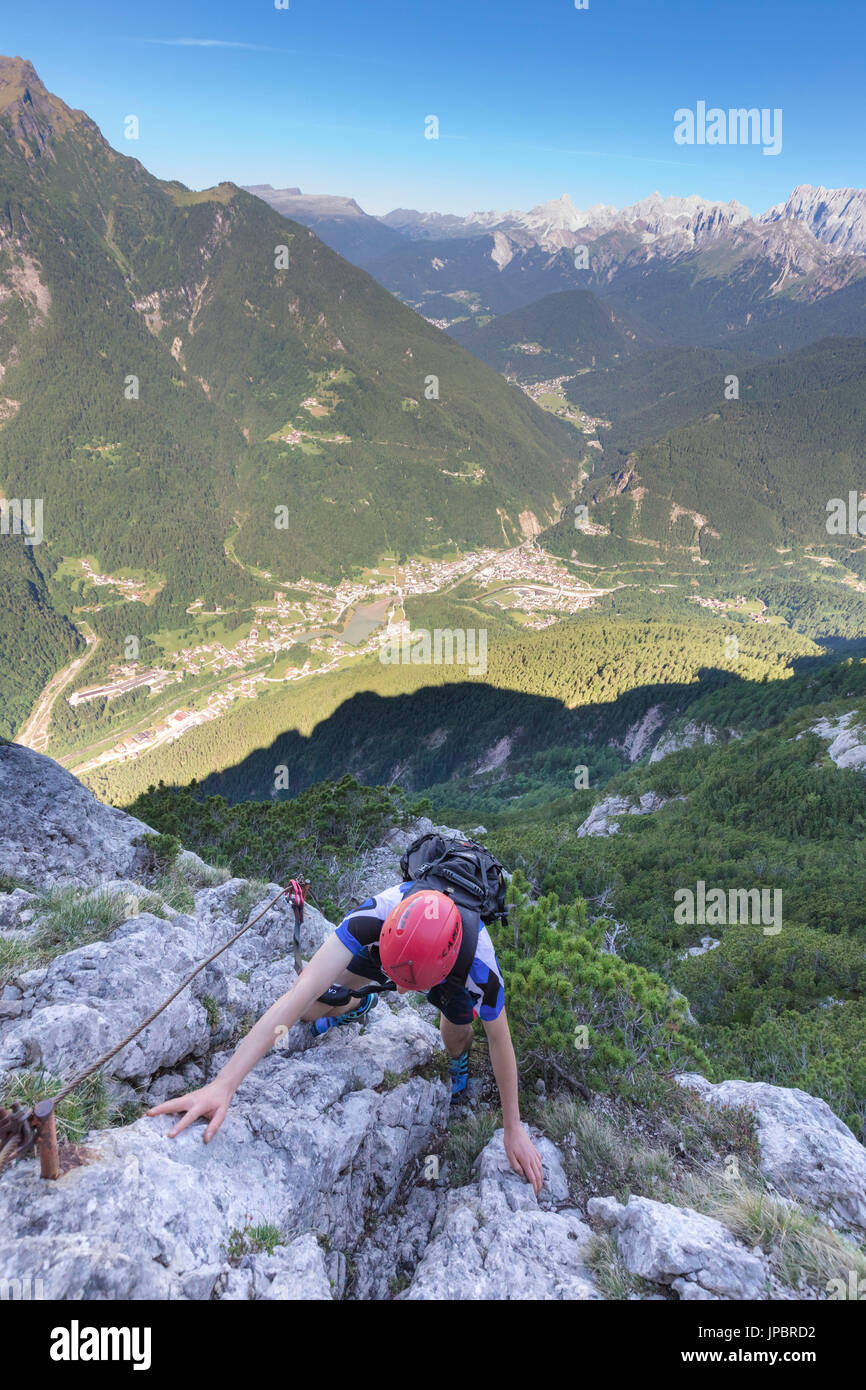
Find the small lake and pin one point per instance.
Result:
(359, 624)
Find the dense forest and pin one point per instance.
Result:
(566, 332)
(686, 467)
(765, 812)
(34, 640)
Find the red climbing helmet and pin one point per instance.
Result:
(420, 940)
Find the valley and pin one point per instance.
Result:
(324, 627)
(308, 631)
(34, 733)
(563, 458)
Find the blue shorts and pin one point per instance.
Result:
(456, 1005)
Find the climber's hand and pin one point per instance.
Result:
(212, 1101)
(524, 1157)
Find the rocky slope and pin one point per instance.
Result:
(836, 216)
(335, 1175)
(847, 739)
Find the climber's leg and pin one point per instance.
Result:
(457, 1010)
(349, 1015)
(457, 1037)
(360, 972)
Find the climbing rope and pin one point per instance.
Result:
(20, 1128)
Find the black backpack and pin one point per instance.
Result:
(466, 871)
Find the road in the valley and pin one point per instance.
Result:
(35, 732)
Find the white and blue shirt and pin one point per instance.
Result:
(362, 927)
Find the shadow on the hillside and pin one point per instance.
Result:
(439, 732)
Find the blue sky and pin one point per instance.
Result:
(534, 99)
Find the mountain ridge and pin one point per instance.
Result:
(800, 251)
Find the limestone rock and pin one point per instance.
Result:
(392, 1250)
(89, 998)
(674, 740)
(294, 1272)
(807, 1152)
(12, 905)
(309, 1145)
(847, 740)
(669, 1245)
(603, 819)
(59, 831)
(639, 735)
(493, 1240)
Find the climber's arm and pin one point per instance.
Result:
(522, 1153)
(326, 966)
(214, 1099)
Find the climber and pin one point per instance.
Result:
(415, 939)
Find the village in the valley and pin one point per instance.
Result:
(337, 625)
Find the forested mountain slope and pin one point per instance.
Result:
(684, 467)
(177, 365)
(560, 333)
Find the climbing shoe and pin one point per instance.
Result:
(459, 1069)
(321, 1025)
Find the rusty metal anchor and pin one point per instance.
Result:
(17, 1136)
(21, 1130)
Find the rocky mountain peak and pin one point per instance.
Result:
(559, 211)
(663, 215)
(835, 216)
(18, 80)
(27, 104)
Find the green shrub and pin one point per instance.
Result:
(577, 1012)
(162, 851)
(85, 1108)
(211, 1008)
(252, 1240)
(8, 885)
(318, 834)
(612, 1275)
(467, 1136)
(820, 1051)
(15, 956)
(172, 891)
(246, 897)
